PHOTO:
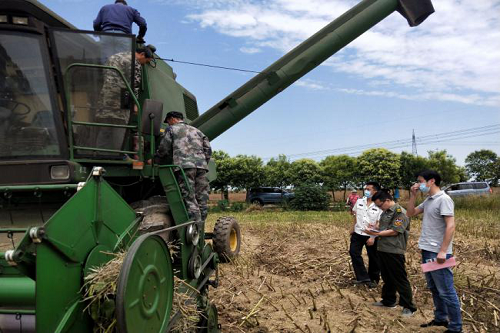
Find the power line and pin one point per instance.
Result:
(402, 142)
(210, 66)
(423, 140)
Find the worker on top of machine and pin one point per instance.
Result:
(187, 147)
(114, 106)
(118, 18)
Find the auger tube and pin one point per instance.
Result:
(305, 57)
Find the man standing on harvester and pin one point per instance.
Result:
(118, 18)
(187, 147)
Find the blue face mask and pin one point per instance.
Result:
(368, 194)
(424, 188)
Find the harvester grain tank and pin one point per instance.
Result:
(69, 204)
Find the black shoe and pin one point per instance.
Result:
(371, 284)
(360, 282)
(435, 323)
(450, 331)
(382, 304)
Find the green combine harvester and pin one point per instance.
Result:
(68, 205)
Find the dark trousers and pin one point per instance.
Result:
(355, 250)
(392, 267)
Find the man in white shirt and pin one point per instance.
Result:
(366, 216)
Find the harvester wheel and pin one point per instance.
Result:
(227, 238)
(145, 287)
(209, 322)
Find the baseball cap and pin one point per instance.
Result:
(174, 114)
(148, 50)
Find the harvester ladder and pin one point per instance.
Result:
(72, 122)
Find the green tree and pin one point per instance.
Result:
(310, 196)
(224, 169)
(338, 172)
(247, 172)
(410, 166)
(305, 171)
(480, 165)
(496, 168)
(446, 166)
(379, 165)
(277, 172)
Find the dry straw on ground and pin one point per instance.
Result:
(294, 275)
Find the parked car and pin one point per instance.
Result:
(268, 195)
(468, 188)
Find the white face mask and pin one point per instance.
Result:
(424, 188)
(368, 194)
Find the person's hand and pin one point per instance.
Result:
(150, 161)
(351, 231)
(441, 257)
(414, 188)
(369, 232)
(370, 241)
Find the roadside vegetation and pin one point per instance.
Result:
(343, 172)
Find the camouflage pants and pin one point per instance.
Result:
(196, 200)
(110, 137)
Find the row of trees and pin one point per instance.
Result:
(341, 172)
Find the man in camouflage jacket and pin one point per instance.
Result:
(187, 147)
(112, 110)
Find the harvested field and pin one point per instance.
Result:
(294, 275)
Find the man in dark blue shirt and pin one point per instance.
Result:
(118, 17)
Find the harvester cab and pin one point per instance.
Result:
(91, 235)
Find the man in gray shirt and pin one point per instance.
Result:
(438, 226)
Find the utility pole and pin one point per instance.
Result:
(414, 144)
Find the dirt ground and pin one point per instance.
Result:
(297, 278)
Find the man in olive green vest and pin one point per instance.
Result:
(392, 234)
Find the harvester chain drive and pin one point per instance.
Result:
(175, 227)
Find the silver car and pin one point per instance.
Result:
(468, 188)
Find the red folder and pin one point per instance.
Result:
(434, 265)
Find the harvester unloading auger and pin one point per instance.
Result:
(69, 205)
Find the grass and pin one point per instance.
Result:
(477, 217)
(280, 218)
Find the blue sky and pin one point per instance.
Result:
(440, 77)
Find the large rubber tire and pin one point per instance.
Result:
(227, 238)
(257, 202)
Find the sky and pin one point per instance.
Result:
(440, 79)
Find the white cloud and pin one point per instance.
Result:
(453, 56)
(250, 50)
(312, 84)
(472, 99)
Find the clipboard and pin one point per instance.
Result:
(433, 265)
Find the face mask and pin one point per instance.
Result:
(424, 188)
(368, 194)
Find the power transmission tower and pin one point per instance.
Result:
(414, 144)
